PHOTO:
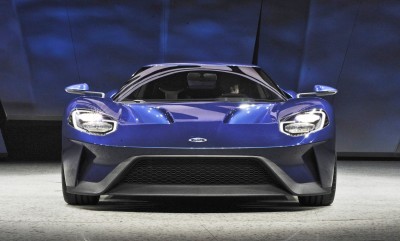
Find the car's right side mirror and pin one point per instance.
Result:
(319, 90)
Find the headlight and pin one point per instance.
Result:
(92, 122)
(303, 123)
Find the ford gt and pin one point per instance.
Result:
(199, 130)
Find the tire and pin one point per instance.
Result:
(74, 199)
(320, 200)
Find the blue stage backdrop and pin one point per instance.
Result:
(46, 45)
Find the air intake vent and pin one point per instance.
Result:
(198, 171)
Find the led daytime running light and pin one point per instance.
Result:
(92, 122)
(303, 123)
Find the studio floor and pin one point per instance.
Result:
(367, 207)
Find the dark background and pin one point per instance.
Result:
(353, 46)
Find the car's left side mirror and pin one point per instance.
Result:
(82, 89)
(319, 90)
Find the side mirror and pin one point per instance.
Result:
(319, 90)
(82, 89)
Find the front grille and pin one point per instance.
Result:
(198, 171)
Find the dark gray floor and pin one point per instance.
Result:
(367, 207)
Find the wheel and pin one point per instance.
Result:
(74, 199)
(320, 200)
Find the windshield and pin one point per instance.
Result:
(195, 85)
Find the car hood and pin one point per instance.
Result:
(197, 125)
(202, 112)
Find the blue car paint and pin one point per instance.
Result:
(169, 125)
(223, 124)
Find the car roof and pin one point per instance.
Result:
(149, 72)
(202, 64)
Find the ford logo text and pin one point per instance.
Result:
(197, 139)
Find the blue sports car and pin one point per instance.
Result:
(202, 130)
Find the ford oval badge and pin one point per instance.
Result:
(197, 139)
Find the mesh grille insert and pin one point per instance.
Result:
(198, 171)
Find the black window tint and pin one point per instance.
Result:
(202, 85)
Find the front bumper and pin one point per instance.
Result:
(299, 170)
